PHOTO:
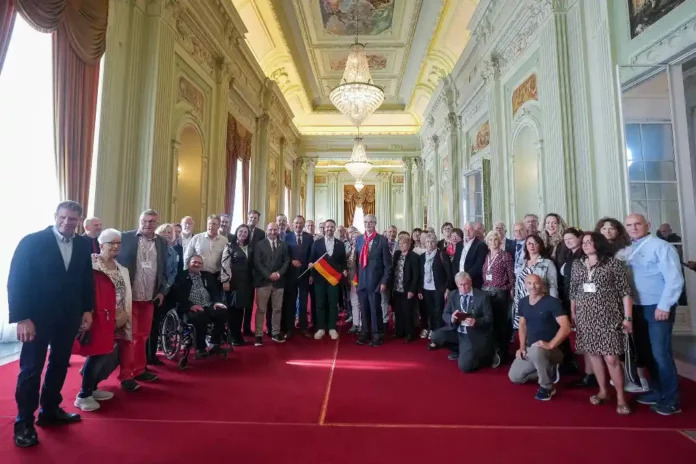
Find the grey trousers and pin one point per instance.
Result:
(385, 306)
(538, 365)
(263, 294)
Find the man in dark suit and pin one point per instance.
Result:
(271, 263)
(469, 256)
(373, 269)
(50, 293)
(327, 292)
(299, 246)
(283, 231)
(93, 228)
(509, 245)
(225, 225)
(468, 318)
(144, 254)
(255, 233)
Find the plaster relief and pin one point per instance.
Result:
(191, 94)
(525, 92)
(483, 138)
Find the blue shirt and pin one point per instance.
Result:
(657, 275)
(65, 245)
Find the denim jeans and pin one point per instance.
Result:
(657, 335)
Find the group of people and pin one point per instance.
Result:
(471, 291)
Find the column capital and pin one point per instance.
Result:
(491, 69)
(308, 164)
(384, 176)
(419, 163)
(332, 176)
(407, 162)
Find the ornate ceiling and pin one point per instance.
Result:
(303, 44)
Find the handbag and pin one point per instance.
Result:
(631, 360)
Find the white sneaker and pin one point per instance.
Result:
(319, 335)
(333, 334)
(424, 333)
(87, 404)
(101, 395)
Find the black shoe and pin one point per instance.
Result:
(377, 342)
(201, 354)
(587, 381)
(258, 341)
(146, 377)
(278, 338)
(362, 340)
(155, 362)
(56, 417)
(25, 435)
(219, 350)
(130, 385)
(240, 342)
(453, 356)
(496, 361)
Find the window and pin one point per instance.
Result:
(359, 219)
(240, 209)
(473, 197)
(28, 181)
(651, 174)
(95, 146)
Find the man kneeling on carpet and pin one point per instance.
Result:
(468, 318)
(543, 327)
(199, 295)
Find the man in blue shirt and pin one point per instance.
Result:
(658, 282)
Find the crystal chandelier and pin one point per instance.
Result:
(358, 166)
(358, 185)
(357, 96)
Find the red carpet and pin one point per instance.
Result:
(398, 403)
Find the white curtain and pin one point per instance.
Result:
(28, 182)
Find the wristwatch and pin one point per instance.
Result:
(628, 318)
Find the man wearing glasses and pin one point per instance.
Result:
(144, 254)
(373, 269)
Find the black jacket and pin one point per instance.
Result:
(266, 262)
(442, 272)
(473, 264)
(337, 260)
(182, 290)
(411, 272)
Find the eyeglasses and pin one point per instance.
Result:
(113, 243)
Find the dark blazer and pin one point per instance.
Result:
(337, 260)
(39, 288)
(128, 257)
(442, 272)
(182, 290)
(93, 243)
(256, 236)
(412, 272)
(378, 267)
(473, 264)
(301, 254)
(180, 252)
(511, 247)
(480, 334)
(265, 264)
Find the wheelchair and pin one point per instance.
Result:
(178, 337)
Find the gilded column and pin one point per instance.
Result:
(499, 168)
(174, 175)
(217, 175)
(161, 104)
(332, 196)
(608, 167)
(260, 170)
(558, 174)
(421, 192)
(295, 206)
(408, 193)
(437, 214)
(281, 176)
(452, 127)
(310, 163)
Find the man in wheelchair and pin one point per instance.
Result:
(198, 296)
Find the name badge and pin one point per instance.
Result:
(489, 277)
(147, 265)
(589, 287)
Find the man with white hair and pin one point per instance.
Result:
(373, 270)
(187, 234)
(508, 244)
(93, 227)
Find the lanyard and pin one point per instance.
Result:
(639, 247)
(590, 272)
(490, 263)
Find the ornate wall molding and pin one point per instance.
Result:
(482, 138)
(191, 94)
(526, 91)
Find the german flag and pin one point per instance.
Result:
(331, 275)
(355, 279)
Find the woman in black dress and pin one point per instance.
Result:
(236, 278)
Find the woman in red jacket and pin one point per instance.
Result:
(111, 322)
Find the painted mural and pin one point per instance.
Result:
(374, 16)
(376, 62)
(525, 92)
(483, 138)
(645, 13)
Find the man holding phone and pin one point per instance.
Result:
(468, 318)
(543, 327)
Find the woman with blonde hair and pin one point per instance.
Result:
(111, 322)
(552, 236)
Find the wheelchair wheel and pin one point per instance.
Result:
(170, 335)
(183, 363)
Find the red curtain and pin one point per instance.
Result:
(231, 179)
(7, 19)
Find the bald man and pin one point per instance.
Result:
(658, 280)
(93, 228)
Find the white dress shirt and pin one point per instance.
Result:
(65, 245)
(329, 245)
(465, 251)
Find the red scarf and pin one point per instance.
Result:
(366, 249)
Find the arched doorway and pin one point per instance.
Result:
(527, 196)
(189, 195)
